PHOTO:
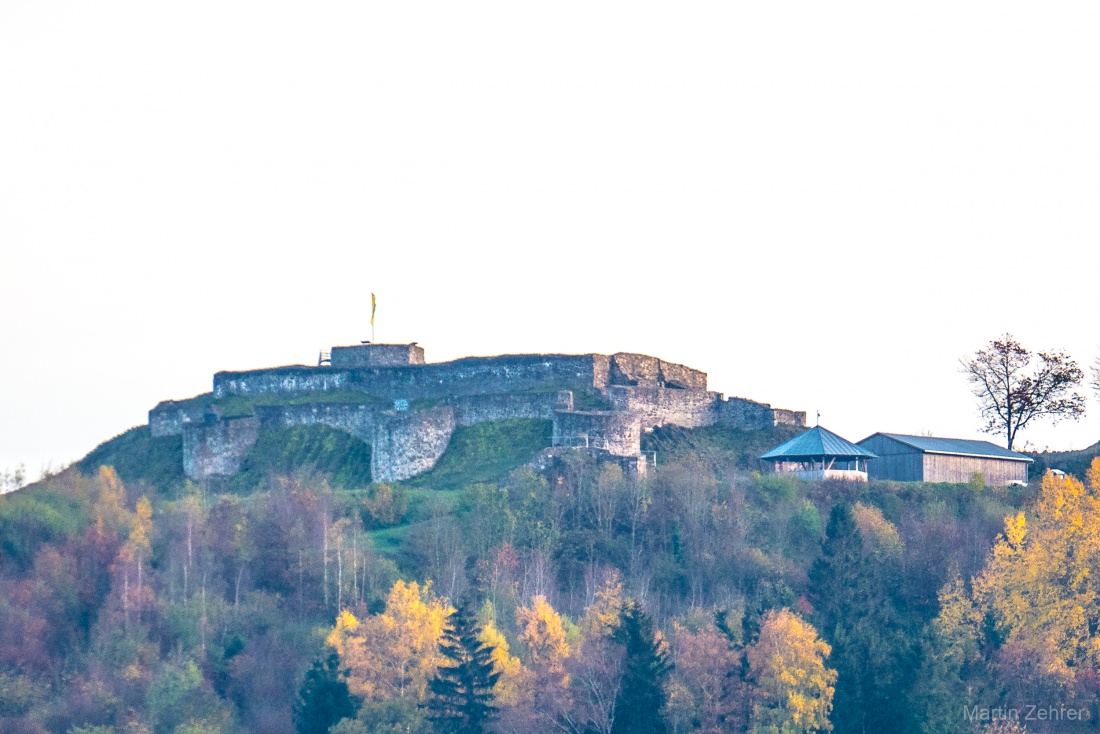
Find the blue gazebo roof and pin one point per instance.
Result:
(817, 443)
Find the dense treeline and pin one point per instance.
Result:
(702, 597)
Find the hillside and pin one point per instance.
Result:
(479, 453)
(203, 607)
(1071, 462)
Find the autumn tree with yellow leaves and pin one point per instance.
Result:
(132, 562)
(792, 686)
(514, 681)
(1027, 628)
(543, 633)
(1041, 590)
(603, 615)
(394, 653)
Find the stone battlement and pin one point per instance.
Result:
(376, 355)
(385, 381)
(468, 376)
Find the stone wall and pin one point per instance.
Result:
(643, 391)
(679, 376)
(617, 433)
(462, 377)
(660, 406)
(169, 417)
(601, 371)
(749, 415)
(376, 355)
(358, 420)
(790, 417)
(480, 408)
(291, 380)
(409, 442)
(640, 369)
(633, 369)
(403, 443)
(217, 447)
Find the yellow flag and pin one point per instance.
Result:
(373, 305)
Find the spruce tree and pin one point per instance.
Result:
(461, 700)
(856, 613)
(324, 698)
(641, 698)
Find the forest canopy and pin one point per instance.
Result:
(700, 597)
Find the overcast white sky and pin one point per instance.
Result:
(823, 205)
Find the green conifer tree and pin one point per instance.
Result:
(857, 615)
(641, 699)
(461, 700)
(940, 692)
(952, 663)
(324, 698)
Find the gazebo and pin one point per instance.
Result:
(820, 454)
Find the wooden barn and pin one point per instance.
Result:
(904, 458)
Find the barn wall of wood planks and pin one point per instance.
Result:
(900, 462)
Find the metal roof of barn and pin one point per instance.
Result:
(815, 444)
(955, 446)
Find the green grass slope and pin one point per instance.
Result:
(485, 452)
(137, 455)
(715, 444)
(342, 458)
(481, 453)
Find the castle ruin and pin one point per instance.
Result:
(406, 409)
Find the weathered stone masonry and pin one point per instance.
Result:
(376, 355)
(407, 443)
(170, 416)
(469, 376)
(660, 406)
(358, 420)
(617, 433)
(471, 409)
(642, 393)
(218, 446)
